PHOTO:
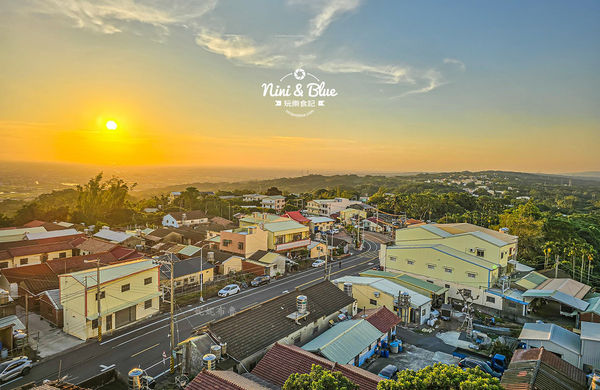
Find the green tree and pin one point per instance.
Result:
(273, 191)
(442, 377)
(319, 379)
(525, 221)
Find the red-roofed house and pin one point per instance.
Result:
(222, 380)
(20, 256)
(297, 360)
(296, 216)
(382, 318)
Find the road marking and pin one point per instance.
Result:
(237, 297)
(336, 272)
(144, 350)
(105, 368)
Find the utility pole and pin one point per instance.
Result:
(98, 297)
(171, 263)
(172, 362)
(26, 321)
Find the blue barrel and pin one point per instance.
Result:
(394, 347)
(386, 353)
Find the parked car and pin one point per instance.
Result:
(335, 231)
(389, 372)
(13, 368)
(472, 363)
(259, 280)
(228, 290)
(318, 263)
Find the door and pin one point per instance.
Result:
(109, 322)
(124, 317)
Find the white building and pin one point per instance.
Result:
(326, 207)
(184, 218)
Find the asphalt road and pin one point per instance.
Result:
(143, 344)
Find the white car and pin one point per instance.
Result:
(318, 263)
(14, 367)
(228, 290)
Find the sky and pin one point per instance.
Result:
(421, 86)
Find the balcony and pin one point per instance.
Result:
(292, 245)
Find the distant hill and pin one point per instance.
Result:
(368, 183)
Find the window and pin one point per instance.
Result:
(471, 275)
(147, 281)
(392, 258)
(192, 279)
(125, 287)
(501, 255)
(466, 292)
(94, 323)
(448, 270)
(226, 242)
(373, 302)
(240, 245)
(423, 312)
(431, 266)
(480, 252)
(410, 262)
(148, 304)
(490, 299)
(447, 285)
(24, 260)
(102, 295)
(62, 255)
(4, 264)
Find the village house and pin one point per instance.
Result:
(188, 272)
(115, 237)
(284, 319)
(275, 202)
(129, 292)
(378, 292)
(320, 224)
(244, 241)
(297, 360)
(326, 207)
(184, 218)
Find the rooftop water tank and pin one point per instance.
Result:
(301, 304)
(210, 361)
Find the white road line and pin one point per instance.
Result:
(241, 295)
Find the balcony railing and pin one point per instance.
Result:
(292, 245)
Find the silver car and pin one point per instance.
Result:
(14, 367)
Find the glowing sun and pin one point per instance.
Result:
(111, 125)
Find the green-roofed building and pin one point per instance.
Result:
(348, 342)
(431, 290)
(531, 280)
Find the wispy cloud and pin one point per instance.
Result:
(461, 65)
(282, 51)
(113, 16)
(327, 11)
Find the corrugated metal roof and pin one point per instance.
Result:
(594, 305)
(189, 250)
(590, 331)
(112, 272)
(113, 236)
(405, 279)
(11, 320)
(51, 234)
(433, 229)
(283, 226)
(559, 297)
(531, 280)
(553, 333)
(344, 341)
(23, 231)
(387, 286)
(320, 219)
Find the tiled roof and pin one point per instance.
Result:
(34, 223)
(93, 245)
(222, 380)
(539, 369)
(259, 254)
(383, 319)
(221, 221)
(40, 248)
(258, 327)
(297, 360)
(187, 267)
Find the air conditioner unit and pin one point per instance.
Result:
(472, 250)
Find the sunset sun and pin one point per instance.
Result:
(111, 125)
